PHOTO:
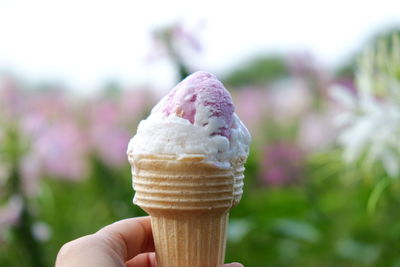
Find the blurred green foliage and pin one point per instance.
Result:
(76, 209)
(348, 68)
(330, 214)
(321, 222)
(258, 70)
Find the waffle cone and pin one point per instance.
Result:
(188, 200)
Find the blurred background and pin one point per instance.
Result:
(316, 83)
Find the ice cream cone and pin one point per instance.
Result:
(188, 200)
(187, 162)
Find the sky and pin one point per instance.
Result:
(83, 44)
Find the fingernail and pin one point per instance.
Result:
(233, 264)
(152, 259)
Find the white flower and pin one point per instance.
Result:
(371, 120)
(41, 231)
(238, 228)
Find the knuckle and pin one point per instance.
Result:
(66, 250)
(71, 249)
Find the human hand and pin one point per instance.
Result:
(126, 243)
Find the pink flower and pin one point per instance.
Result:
(31, 170)
(33, 124)
(288, 99)
(134, 104)
(317, 131)
(53, 105)
(185, 38)
(176, 42)
(10, 213)
(110, 144)
(282, 164)
(12, 98)
(302, 64)
(108, 138)
(62, 150)
(250, 106)
(347, 84)
(57, 145)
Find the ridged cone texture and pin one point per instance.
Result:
(188, 200)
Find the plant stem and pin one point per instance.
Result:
(26, 239)
(23, 229)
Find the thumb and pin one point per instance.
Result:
(233, 264)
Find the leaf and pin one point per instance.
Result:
(363, 253)
(376, 195)
(297, 230)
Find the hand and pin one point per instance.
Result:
(126, 243)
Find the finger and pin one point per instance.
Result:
(111, 246)
(143, 260)
(129, 237)
(233, 264)
(87, 251)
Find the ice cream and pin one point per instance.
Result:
(187, 162)
(196, 117)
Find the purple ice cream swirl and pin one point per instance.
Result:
(201, 89)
